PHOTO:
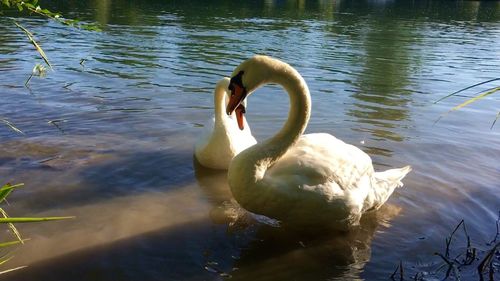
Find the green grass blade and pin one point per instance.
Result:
(10, 125)
(481, 95)
(4, 260)
(24, 220)
(10, 186)
(37, 47)
(12, 227)
(4, 194)
(12, 269)
(476, 98)
(7, 189)
(11, 243)
(466, 88)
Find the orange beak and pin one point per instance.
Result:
(238, 94)
(240, 117)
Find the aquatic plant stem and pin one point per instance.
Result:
(37, 47)
(466, 88)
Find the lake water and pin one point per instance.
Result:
(120, 158)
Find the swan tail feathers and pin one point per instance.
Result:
(393, 176)
(384, 185)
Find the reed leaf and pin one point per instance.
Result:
(27, 219)
(7, 189)
(10, 125)
(466, 88)
(11, 243)
(37, 47)
(471, 100)
(10, 186)
(12, 269)
(476, 98)
(12, 227)
(4, 260)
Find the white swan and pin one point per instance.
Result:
(302, 179)
(222, 138)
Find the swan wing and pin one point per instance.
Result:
(325, 163)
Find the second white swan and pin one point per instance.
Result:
(302, 179)
(222, 138)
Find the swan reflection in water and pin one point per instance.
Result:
(272, 252)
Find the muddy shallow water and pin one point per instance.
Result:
(120, 158)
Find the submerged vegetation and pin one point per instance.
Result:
(5, 191)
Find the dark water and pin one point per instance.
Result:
(121, 160)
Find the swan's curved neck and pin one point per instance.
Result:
(298, 115)
(250, 165)
(220, 97)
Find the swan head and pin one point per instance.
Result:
(247, 77)
(240, 110)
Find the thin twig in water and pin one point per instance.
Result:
(48, 159)
(451, 265)
(28, 80)
(470, 253)
(494, 121)
(487, 261)
(401, 271)
(54, 122)
(448, 240)
(394, 273)
(498, 230)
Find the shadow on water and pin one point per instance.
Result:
(213, 183)
(79, 176)
(199, 250)
(165, 254)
